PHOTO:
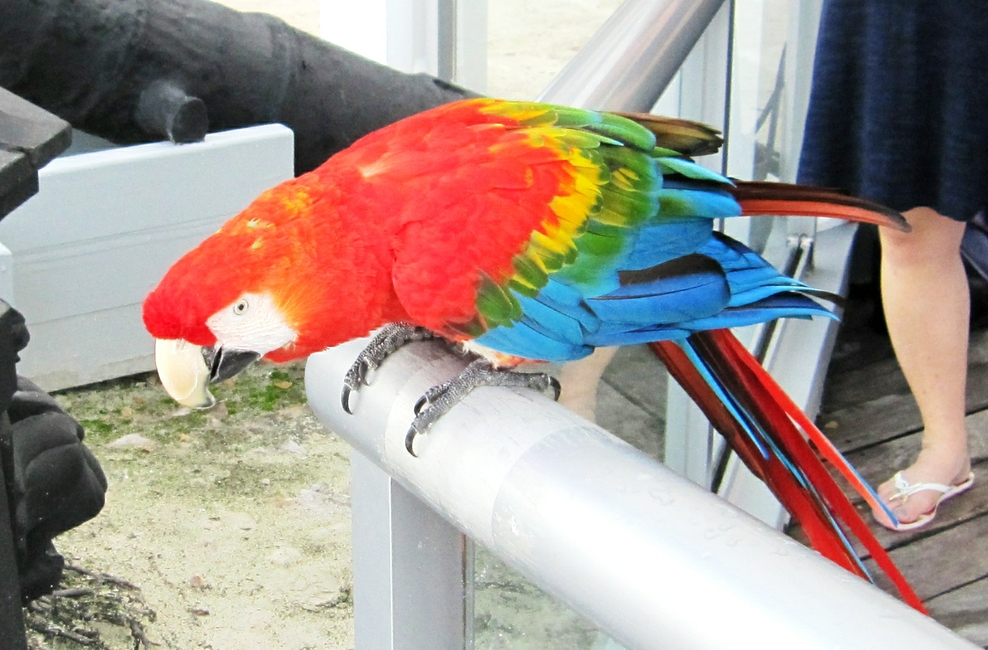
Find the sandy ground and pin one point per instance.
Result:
(234, 525)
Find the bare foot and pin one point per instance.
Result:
(930, 467)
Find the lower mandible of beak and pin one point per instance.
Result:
(186, 370)
(227, 362)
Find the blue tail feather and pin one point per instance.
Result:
(787, 305)
(764, 442)
(617, 334)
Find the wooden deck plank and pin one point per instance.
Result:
(864, 367)
(870, 403)
(965, 611)
(937, 564)
(869, 413)
(955, 512)
(879, 462)
(638, 375)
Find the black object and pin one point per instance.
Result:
(165, 110)
(13, 338)
(974, 252)
(57, 484)
(11, 616)
(133, 71)
(49, 482)
(29, 139)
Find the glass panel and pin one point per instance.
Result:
(772, 102)
(511, 613)
(524, 53)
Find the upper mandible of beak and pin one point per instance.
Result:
(183, 372)
(186, 370)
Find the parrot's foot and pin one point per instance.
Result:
(438, 400)
(388, 340)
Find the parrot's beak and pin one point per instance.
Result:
(186, 370)
(183, 372)
(226, 362)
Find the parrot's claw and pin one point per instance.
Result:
(438, 400)
(388, 340)
(352, 381)
(356, 377)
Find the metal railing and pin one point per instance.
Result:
(632, 58)
(653, 559)
(645, 554)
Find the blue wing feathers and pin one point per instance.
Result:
(677, 200)
(728, 290)
(566, 299)
(523, 341)
(543, 318)
(683, 289)
(648, 278)
(656, 244)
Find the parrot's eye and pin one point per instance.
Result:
(241, 307)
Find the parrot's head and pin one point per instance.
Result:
(242, 294)
(211, 318)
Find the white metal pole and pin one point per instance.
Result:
(629, 62)
(408, 566)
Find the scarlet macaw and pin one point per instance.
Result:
(525, 232)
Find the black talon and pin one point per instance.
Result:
(389, 339)
(346, 399)
(355, 377)
(410, 441)
(438, 400)
(556, 388)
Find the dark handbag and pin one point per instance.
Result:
(974, 252)
(974, 245)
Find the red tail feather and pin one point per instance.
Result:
(741, 376)
(794, 497)
(783, 199)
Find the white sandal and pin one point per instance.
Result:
(907, 489)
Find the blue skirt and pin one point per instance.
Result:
(899, 104)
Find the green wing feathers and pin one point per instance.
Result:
(609, 173)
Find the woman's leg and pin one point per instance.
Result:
(579, 381)
(927, 307)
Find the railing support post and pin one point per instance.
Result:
(408, 567)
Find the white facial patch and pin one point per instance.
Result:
(252, 322)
